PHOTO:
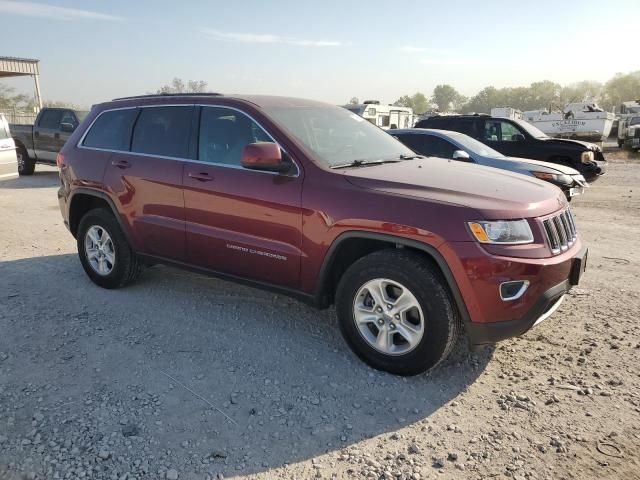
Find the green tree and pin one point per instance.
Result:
(354, 101)
(177, 85)
(577, 92)
(621, 88)
(418, 102)
(445, 97)
(10, 100)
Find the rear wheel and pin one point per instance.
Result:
(26, 165)
(104, 252)
(396, 313)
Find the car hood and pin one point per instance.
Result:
(577, 143)
(547, 165)
(493, 193)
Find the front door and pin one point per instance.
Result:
(504, 137)
(241, 222)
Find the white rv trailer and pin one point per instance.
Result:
(579, 120)
(384, 116)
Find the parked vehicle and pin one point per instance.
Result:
(461, 147)
(41, 142)
(384, 116)
(629, 132)
(517, 138)
(582, 120)
(7, 148)
(313, 201)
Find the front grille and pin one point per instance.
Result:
(561, 231)
(637, 132)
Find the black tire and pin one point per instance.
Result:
(126, 267)
(620, 144)
(422, 278)
(26, 165)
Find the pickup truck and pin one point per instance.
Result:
(40, 143)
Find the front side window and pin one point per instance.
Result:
(634, 121)
(112, 130)
(498, 131)
(162, 131)
(50, 119)
(335, 136)
(224, 133)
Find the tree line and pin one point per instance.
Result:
(538, 95)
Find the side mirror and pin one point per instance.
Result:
(461, 155)
(518, 137)
(264, 156)
(67, 127)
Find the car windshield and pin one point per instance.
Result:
(531, 130)
(474, 146)
(634, 121)
(337, 136)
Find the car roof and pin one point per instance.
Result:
(262, 101)
(428, 131)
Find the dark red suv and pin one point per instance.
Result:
(313, 201)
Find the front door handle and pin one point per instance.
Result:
(120, 163)
(201, 176)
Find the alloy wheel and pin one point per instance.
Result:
(99, 250)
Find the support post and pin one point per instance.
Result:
(38, 96)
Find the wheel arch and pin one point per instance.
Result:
(339, 251)
(84, 199)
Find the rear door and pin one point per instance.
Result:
(146, 180)
(241, 222)
(46, 135)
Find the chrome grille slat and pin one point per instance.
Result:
(561, 231)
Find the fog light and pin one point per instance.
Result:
(513, 290)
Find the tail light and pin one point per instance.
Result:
(60, 160)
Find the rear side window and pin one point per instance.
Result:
(162, 131)
(50, 119)
(112, 130)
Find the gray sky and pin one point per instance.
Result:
(91, 51)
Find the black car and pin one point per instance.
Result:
(517, 138)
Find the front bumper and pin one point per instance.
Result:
(547, 303)
(593, 170)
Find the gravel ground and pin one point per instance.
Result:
(181, 376)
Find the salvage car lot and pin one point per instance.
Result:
(188, 375)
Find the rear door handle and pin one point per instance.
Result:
(201, 176)
(120, 163)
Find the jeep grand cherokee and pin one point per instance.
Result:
(311, 200)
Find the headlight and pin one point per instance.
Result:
(554, 177)
(587, 156)
(502, 231)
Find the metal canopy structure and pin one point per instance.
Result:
(22, 67)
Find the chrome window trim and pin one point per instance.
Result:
(190, 160)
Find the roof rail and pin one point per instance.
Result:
(160, 95)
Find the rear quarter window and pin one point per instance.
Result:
(112, 130)
(162, 131)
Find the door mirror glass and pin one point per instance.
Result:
(461, 155)
(67, 127)
(263, 156)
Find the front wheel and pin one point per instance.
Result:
(396, 313)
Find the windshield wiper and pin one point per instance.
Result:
(362, 163)
(410, 157)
